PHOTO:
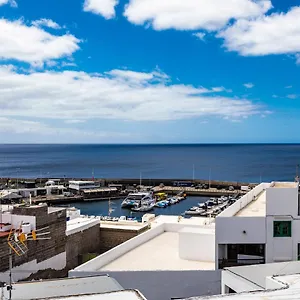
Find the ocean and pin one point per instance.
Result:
(232, 162)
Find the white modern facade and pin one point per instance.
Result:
(261, 227)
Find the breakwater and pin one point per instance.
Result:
(131, 181)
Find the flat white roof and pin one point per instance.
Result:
(80, 223)
(256, 208)
(186, 221)
(284, 185)
(123, 225)
(160, 253)
(121, 295)
(64, 287)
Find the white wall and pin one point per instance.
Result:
(230, 230)
(282, 202)
(281, 248)
(105, 258)
(57, 262)
(237, 283)
(16, 220)
(243, 201)
(197, 245)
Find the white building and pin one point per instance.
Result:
(170, 244)
(82, 185)
(276, 281)
(261, 227)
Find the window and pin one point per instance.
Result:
(298, 252)
(282, 228)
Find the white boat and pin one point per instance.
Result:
(144, 208)
(197, 212)
(137, 199)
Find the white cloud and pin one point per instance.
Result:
(32, 131)
(192, 14)
(292, 96)
(12, 3)
(248, 85)
(278, 33)
(74, 121)
(46, 23)
(200, 35)
(288, 87)
(105, 8)
(33, 45)
(71, 95)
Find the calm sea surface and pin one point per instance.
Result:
(221, 162)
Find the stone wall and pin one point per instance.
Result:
(112, 237)
(40, 249)
(81, 243)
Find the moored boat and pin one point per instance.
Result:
(136, 199)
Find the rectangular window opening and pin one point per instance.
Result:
(282, 229)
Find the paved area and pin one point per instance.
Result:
(256, 208)
(160, 253)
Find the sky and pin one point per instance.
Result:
(149, 71)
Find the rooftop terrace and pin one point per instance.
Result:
(159, 253)
(255, 208)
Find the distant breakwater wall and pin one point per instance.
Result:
(132, 181)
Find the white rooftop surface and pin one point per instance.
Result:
(289, 291)
(256, 208)
(126, 225)
(121, 295)
(257, 273)
(64, 287)
(285, 185)
(180, 220)
(160, 253)
(80, 223)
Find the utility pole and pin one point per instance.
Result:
(10, 273)
(140, 179)
(209, 177)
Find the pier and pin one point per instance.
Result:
(190, 191)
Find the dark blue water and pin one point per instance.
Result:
(223, 162)
(100, 208)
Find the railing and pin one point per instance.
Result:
(225, 263)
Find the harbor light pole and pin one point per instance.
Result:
(193, 173)
(140, 179)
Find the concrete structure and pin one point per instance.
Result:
(63, 288)
(156, 249)
(262, 226)
(274, 281)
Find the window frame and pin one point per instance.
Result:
(279, 228)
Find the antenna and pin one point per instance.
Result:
(17, 239)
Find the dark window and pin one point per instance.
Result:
(282, 228)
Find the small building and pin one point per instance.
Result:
(7, 196)
(261, 227)
(79, 185)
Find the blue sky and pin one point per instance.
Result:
(149, 71)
